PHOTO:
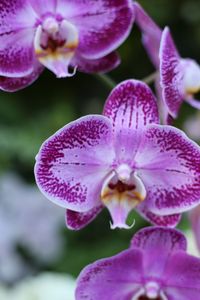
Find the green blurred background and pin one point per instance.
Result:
(30, 116)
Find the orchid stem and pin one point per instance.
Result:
(149, 79)
(106, 80)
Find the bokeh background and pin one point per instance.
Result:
(33, 236)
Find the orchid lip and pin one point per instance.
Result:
(55, 44)
(121, 194)
(191, 76)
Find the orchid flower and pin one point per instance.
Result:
(155, 267)
(123, 160)
(179, 78)
(61, 35)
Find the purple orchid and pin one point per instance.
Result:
(179, 78)
(59, 35)
(156, 266)
(122, 160)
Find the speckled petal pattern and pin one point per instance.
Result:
(77, 221)
(131, 105)
(13, 84)
(166, 221)
(71, 165)
(169, 165)
(170, 74)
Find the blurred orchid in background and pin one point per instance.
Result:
(45, 286)
(156, 266)
(178, 79)
(194, 217)
(26, 220)
(122, 160)
(60, 35)
(192, 127)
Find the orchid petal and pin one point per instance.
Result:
(106, 279)
(17, 20)
(170, 74)
(16, 15)
(102, 25)
(16, 53)
(72, 164)
(101, 65)
(168, 163)
(182, 277)
(166, 221)
(43, 6)
(151, 33)
(11, 84)
(131, 105)
(77, 221)
(157, 242)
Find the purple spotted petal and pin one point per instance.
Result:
(157, 242)
(182, 277)
(168, 163)
(102, 25)
(117, 278)
(131, 105)
(170, 74)
(17, 19)
(72, 164)
(15, 15)
(77, 221)
(10, 84)
(43, 6)
(16, 53)
(101, 65)
(166, 221)
(151, 33)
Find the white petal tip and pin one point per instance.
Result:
(121, 225)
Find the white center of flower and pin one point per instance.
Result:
(122, 191)
(191, 78)
(152, 290)
(55, 44)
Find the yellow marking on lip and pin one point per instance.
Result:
(192, 91)
(131, 195)
(67, 50)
